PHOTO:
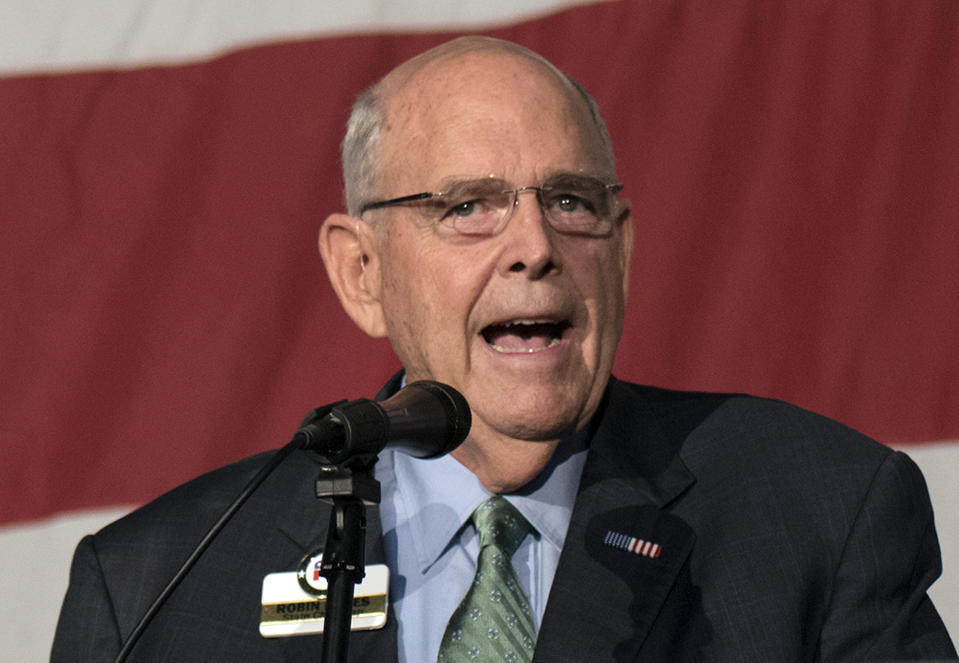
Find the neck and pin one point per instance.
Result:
(504, 464)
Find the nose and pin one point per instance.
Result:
(529, 240)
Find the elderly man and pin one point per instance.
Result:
(584, 519)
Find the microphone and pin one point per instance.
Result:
(424, 419)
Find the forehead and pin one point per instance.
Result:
(482, 113)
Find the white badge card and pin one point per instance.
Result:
(289, 609)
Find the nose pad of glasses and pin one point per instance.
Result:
(528, 189)
(509, 211)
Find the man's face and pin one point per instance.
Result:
(524, 323)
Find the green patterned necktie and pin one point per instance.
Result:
(494, 622)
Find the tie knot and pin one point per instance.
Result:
(500, 524)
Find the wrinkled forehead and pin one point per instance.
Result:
(489, 99)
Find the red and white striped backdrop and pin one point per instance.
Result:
(164, 167)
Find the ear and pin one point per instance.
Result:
(350, 253)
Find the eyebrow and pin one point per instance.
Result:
(450, 184)
(560, 177)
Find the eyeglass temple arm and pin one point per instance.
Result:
(396, 201)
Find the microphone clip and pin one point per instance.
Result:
(347, 481)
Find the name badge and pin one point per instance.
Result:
(294, 603)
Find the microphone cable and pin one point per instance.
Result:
(424, 419)
(248, 490)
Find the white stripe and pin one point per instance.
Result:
(62, 35)
(34, 570)
(939, 463)
(35, 559)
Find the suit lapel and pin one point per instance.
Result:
(622, 553)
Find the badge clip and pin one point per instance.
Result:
(294, 602)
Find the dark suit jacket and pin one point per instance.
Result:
(784, 536)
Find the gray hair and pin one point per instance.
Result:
(360, 149)
(364, 130)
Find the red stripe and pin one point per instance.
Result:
(164, 311)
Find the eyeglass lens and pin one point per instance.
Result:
(576, 205)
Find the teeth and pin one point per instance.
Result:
(500, 348)
(524, 335)
(531, 321)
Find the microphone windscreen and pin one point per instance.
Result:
(427, 419)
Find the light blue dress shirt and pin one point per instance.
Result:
(431, 548)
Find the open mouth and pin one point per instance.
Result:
(525, 336)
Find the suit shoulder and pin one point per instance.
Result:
(764, 430)
(187, 507)
(767, 426)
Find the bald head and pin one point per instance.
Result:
(407, 93)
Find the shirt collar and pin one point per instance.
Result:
(440, 494)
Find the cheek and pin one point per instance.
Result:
(407, 326)
(400, 288)
(598, 269)
(601, 282)
(426, 304)
(614, 272)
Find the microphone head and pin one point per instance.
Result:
(427, 419)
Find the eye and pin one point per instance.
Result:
(472, 206)
(464, 209)
(570, 203)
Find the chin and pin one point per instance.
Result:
(535, 411)
(533, 426)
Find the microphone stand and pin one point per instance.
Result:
(347, 482)
(350, 487)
